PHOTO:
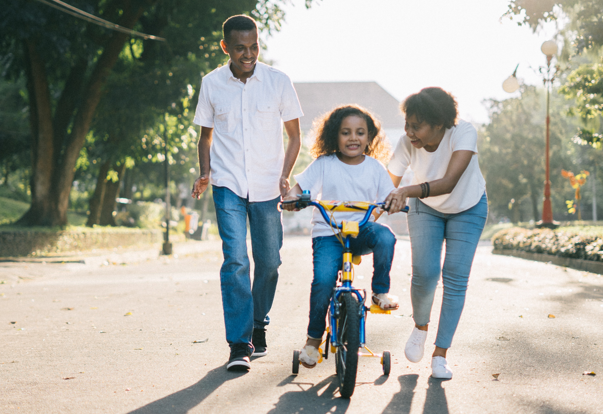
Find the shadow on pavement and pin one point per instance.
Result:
(183, 401)
(402, 401)
(435, 400)
(308, 399)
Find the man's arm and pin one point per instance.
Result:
(203, 150)
(294, 133)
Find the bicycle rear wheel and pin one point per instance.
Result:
(348, 338)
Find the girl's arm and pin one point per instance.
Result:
(459, 162)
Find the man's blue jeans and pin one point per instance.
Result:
(428, 230)
(328, 258)
(247, 307)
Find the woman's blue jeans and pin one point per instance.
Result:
(247, 307)
(328, 258)
(428, 230)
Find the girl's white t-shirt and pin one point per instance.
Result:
(327, 178)
(429, 166)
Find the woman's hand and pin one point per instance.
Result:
(396, 200)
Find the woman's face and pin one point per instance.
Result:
(423, 135)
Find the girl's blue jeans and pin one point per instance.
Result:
(328, 258)
(245, 306)
(429, 229)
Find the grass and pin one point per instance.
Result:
(11, 210)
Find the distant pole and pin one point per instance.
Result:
(549, 48)
(167, 246)
(594, 180)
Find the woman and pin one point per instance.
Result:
(447, 204)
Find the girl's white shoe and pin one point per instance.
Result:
(415, 346)
(309, 356)
(440, 368)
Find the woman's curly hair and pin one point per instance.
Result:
(326, 131)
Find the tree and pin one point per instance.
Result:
(583, 56)
(512, 154)
(68, 62)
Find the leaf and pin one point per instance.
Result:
(13, 322)
(69, 378)
(551, 316)
(591, 373)
(128, 314)
(495, 376)
(67, 309)
(201, 341)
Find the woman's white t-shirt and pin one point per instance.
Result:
(429, 166)
(327, 178)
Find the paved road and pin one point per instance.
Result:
(148, 337)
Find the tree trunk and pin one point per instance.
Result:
(53, 171)
(96, 201)
(111, 193)
(534, 199)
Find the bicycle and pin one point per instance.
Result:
(346, 334)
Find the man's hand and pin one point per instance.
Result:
(200, 186)
(283, 186)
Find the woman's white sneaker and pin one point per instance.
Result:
(440, 368)
(415, 346)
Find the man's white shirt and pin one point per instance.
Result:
(247, 153)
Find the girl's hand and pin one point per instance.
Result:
(396, 200)
(290, 206)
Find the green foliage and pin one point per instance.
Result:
(11, 210)
(512, 158)
(577, 243)
(582, 56)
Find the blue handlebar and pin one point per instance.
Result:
(305, 201)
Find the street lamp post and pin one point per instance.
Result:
(549, 48)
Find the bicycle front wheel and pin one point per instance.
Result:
(348, 338)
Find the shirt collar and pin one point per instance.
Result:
(258, 72)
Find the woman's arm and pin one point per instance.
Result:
(457, 166)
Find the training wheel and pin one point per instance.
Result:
(386, 361)
(295, 368)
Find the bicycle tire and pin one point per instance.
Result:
(348, 338)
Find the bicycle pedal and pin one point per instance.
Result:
(376, 309)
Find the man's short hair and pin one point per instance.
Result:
(239, 22)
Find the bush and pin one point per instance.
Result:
(145, 215)
(576, 243)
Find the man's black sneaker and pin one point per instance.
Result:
(259, 342)
(239, 358)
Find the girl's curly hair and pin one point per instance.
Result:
(326, 131)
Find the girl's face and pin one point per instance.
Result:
(423, 135)
(352, 139)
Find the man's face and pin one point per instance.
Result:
(243, 47)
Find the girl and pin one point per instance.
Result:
(346, 140)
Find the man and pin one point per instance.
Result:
(240, 109)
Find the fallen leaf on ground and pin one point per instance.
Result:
(93, 307)
(128, 314)
(68, 378)
(67, 309)
(591, 373)
(201, 341)
(551, 316)
(13, 322)
(521, 316)
(495, 376)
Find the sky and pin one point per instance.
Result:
(463, 46)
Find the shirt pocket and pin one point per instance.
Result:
(223, 119)
(269, 117)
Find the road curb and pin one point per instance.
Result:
(578, 264)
